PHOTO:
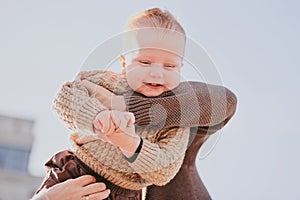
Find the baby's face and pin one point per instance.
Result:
(154, 71)
(155, 66)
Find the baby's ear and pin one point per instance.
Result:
(124, 72)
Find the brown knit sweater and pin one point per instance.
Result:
(190, 104)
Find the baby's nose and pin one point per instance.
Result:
(156, 71)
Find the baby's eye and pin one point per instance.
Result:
(170, 66)
(145, 62)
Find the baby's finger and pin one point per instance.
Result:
(91, 87)
(96, 90)
(112, 128)
(115, 118)
(101, 135)
(97, 124)
(103, 122)
(119, 120)
(130, 119)
(83, 139)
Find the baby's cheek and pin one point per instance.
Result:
(174, 80)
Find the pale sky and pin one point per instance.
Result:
(254, 44)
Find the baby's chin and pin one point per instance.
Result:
(151, 94)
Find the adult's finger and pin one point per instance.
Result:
(94, 188)
(83, 180)
(99, 195)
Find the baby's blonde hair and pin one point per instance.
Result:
(151, 18)
(156, 18)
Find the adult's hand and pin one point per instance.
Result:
(81, 188)
(107, 98)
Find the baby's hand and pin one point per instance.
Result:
(109, 122)
(107, 98)
(118, 128)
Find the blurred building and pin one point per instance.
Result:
(16, 138)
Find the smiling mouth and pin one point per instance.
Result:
(153, 84)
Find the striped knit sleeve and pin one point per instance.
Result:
(191, 104)
(75, 107)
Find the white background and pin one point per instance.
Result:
(255, 45)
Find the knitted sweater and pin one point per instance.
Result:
(161, 154)
(163, 149)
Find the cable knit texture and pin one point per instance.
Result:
(190, 104)
(158, 162)
(162, 152)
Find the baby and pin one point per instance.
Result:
(129, 158)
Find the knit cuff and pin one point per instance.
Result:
(146, 158)
(140, 108)
(85, 114)
(136, 153)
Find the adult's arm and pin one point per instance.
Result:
(191, 104)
